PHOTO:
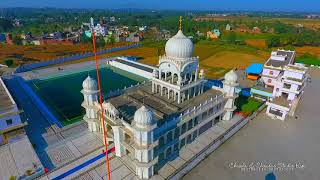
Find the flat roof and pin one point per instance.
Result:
(6, 103)
(144, 68)
(263, 88)
(289, 58)
(163, 107)
(282, 101)
(243, 81)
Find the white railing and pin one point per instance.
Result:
(201, 106)
(120, 91)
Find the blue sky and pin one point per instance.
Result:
(268, 5)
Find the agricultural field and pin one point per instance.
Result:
(32, 54)
(315, 51)
(308, 23)
(259, 43)
(145, 54)
(216, 60)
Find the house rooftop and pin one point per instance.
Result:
(243, 81)
(281, 58)
(263, 88)
(282, 101)
(297, 66)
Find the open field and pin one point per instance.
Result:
(230, 59)
(32, 54)
(315, 51)
(226, 60)
(308, 23)
(147, 55)
(216, 60)
(259, 43)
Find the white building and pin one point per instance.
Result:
(284, 82)
(10, 121)
(152, 122)
(287, 91)
(274, 66)
(99, 30)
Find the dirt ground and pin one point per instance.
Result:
(259, 43)
(308, 50)
(263, 142)
(229, 59)
(33, 53)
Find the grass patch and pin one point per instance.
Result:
(247, 105)
(308, 59)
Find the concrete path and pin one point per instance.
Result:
(290, 148)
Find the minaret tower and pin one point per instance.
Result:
(229, 85)
(144, 126)
(90, 94)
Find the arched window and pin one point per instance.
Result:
(169, 136)
(177, 133)
(168, 152)
(161, 141)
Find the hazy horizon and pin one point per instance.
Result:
(205, 5)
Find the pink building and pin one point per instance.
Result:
(275, 65)
(286, 80)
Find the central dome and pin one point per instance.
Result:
(179, 46)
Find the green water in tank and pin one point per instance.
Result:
(62, 94)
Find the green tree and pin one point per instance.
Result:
(8, 62)
(273, 41)
(5, 25)
(100, 42)
(17, 40)
(84, 39)
(231, 37)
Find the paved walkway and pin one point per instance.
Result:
(17, 157)
(52, 72)
(293, 142)
(122, 168)
(54, 146)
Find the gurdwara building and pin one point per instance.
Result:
(152, 122)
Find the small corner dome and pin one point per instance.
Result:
(90, 84)
(143, 117)
(179, 46)
(231, 76)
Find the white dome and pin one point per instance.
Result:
(231, 76)
(179, 46)
(143, 117)
(90, 84)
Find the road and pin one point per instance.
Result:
(294, 142)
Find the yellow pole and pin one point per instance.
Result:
(180, 21)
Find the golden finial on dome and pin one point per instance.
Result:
(180, 21)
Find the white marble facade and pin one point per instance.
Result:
(179, 79)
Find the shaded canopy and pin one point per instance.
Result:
(254, 69)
